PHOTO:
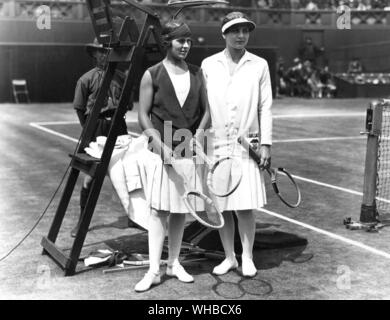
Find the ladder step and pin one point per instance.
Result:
(85, 163)
(84, 158)
(152, 48)
(121, 54)
(58, 255)
(125, 44)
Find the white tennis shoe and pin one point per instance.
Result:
(248, 268)
(225, 266)
(147, 281)
(178, 271)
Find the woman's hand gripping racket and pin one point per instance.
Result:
(283, 183)
(200, 206)
(223, 175)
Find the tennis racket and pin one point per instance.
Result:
(200, 206)
(142, 262)
(193, 3)
(223, 175)
(282, 182)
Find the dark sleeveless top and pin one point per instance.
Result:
(166, 107)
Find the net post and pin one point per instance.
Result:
(368, 212)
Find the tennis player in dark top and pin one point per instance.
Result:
(171, 92)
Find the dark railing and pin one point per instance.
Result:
(76, 10)
(30, 9)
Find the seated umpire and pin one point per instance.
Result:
(86, 92)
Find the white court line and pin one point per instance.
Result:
(319, 115)
(52, 123)
(282, 116)
(328, 185)
(38, 126)
(329, 234)
(357, 193)
(319, 139)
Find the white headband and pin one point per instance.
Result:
(237, 21)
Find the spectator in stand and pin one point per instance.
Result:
(262, 4)
(331, 5)
(279, 4)
(310, 51)
(308, 86)
(295, 4)
(271, 4)
(378, 4)
(329, 86)
(383, 79)
(240, 3)
(295, 79)
(311, 5)
(316, 86)
(355, 66)
(282, 4)
(281, 83)
(360, 5)
(345, 3)
(291, 78)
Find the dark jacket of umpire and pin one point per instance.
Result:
(166, 107)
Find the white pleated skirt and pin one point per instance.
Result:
(170, 184)
(251, 193)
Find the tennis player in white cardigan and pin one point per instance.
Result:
(240, 98)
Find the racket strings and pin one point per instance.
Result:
(205, 210)
(228, 173)
(198, 200)
(225, 177)
(223, 173)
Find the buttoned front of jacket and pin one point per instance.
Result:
(236, 99)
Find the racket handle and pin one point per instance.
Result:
(249, 148)
(198, 150)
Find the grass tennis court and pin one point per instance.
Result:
(319, 141)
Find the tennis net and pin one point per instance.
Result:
(376, 190)
(383, 163)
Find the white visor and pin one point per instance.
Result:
(227, 25)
